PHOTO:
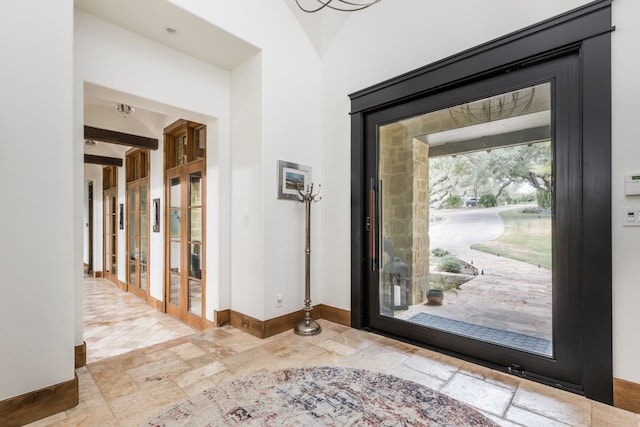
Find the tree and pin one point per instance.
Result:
(491, 172)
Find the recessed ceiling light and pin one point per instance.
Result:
(170, 30)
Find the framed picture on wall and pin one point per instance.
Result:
(291, 178)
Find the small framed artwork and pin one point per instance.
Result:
(291, 178)
(156, 215)
(121, 216)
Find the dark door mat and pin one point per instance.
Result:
(496, 336)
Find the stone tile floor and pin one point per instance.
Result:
(126, 389)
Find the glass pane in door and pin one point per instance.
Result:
(195, 297)
(107, 234)
(466, 220)
(142, 262)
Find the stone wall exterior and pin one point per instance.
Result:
(404, 175)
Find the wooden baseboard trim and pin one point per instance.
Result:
(157, 304)
(335, 315)
(80, 355)
(97, 274)
(39, 404)
(221, 318)
(626, 395)
(122, 285)
(271, 327)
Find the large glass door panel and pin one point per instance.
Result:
(195, 243)
(110, 253)
(175, 239)
(138, 240)
(473, 247)
(467, 220)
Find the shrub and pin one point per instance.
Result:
(437, 252)
(452, 202)
(450, 264)
(488, 200)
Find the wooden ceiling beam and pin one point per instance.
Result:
(102, 160)
(113, 137)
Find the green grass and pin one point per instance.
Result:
(526, 237)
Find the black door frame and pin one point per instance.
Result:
(585, 31)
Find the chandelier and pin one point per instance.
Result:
(341, 5)
(124, 110)
(495, 108)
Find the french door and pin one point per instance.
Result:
(110, 236)
(185, 247)
(138, 238)
(474, 234)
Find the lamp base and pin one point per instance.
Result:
(307, 328)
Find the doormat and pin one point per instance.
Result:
(495, 336)
(320, 396)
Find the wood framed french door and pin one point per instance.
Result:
(185, 285)
(138, 238)
(137, 202)
(110, 224)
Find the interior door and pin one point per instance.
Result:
(138, 238)
(185, 244)
(110, 239)
(474, 221)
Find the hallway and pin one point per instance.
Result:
(126, 389)
(116, 322)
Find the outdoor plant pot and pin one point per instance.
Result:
(435, 296)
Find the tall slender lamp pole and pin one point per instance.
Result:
(307, 326)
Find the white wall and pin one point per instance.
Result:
(145, 72)
(275, 111)
(626, 159)
(37, 247)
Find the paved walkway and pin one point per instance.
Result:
(511, 295)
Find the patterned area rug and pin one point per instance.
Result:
(324, 396)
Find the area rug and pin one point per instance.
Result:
(484, 333)
(322, 396)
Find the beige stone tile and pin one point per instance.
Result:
(532, 419)
(375, 358)
(403, 371)
(60, 416)
(336, 347)
(356, 338)
(188, 351)
(157, 371)
(499, 420)
(115, 384)
(134, 408)
(192, 376)
(490, 375)
(607, 416)
(553, 403)
(438, 365)
(478, 393)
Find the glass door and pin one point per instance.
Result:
(185, 193)
(138, 238)
(472, 246)
(110, 238)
